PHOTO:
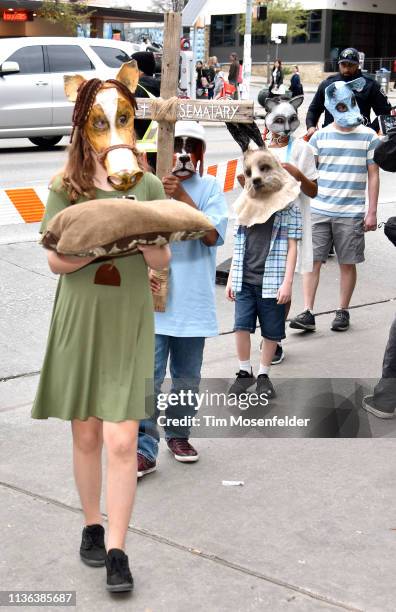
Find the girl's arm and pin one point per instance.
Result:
(61, 264)
(310, 188)
(156, 257)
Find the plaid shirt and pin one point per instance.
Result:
(287, 224)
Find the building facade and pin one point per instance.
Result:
(368, 25)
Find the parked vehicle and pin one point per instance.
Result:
(32, 100)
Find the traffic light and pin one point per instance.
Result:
(260, 12)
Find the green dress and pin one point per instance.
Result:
(99, 359)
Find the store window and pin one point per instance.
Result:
(29, 59)
(223, 31)
(65, 58)
(314, 29)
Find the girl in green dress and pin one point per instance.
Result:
(98, 361)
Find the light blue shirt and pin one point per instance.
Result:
(191, 304)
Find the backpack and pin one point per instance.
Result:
(390, 229)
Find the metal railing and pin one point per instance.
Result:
(371, 64)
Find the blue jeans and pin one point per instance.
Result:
(185, 355)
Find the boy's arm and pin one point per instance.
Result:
(310, 188)
(285, 290)
(370, 221)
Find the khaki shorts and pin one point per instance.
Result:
(346, 233)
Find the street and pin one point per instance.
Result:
(312, 527)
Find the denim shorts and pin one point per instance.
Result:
(249, 305)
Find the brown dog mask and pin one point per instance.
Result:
(269, 188)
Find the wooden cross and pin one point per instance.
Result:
(234, 111)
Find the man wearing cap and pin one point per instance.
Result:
(190, 314)
(370, 98)
(148, 87)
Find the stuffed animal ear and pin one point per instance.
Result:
(239, 134)
(128, 74)
(71, 86)
(297, 101)
(356, 84)
(270, 104)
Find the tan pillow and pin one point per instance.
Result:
(115, 226)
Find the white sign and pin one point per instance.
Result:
(278, 29)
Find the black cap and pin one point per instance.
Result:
(349, 55)
(145, 61)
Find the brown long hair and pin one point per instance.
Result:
(79, 171)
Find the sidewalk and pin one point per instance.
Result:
(311, 529)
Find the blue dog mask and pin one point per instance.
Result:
(340, 101)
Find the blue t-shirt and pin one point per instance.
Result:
(191, 305)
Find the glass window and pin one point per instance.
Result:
(67, 58)
(111, 57)
(223, 31)
(314, 29)
(30, 59)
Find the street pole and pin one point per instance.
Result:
(247, 48)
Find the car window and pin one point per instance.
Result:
(67, 58)
(30, 59)
(110, 56)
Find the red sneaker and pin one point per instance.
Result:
(182, 450)
(145, 466)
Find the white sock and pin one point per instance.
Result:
(245, 365)
(263, 369)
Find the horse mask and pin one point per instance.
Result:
(105, 111)
(281, 118)
(340, 101)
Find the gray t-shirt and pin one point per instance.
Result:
(257, 245)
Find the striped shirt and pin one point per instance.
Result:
(287, 224)
(343, 158)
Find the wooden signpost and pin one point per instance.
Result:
(169, 109)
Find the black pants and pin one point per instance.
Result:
(385, 390)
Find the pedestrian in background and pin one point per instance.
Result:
(210, 73)
(276, 86)
(296, 87)
(368, 99)
(199, 84)
(233, 73)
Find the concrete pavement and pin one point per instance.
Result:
(313, 526)
(311, 529)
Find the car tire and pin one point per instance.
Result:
(44, 142)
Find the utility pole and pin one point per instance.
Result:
(247, 48)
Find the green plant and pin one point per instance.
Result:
(280, 11)
(67, 14)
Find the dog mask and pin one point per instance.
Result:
(340, 101)
(268, 188)
(188, 154)
(281, 118)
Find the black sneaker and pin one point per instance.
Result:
(341, 320)
(279, 355)
(119, 577)
(92, 549)
(265, 386)
(305, 320)
(243, 381)
(369, 405)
